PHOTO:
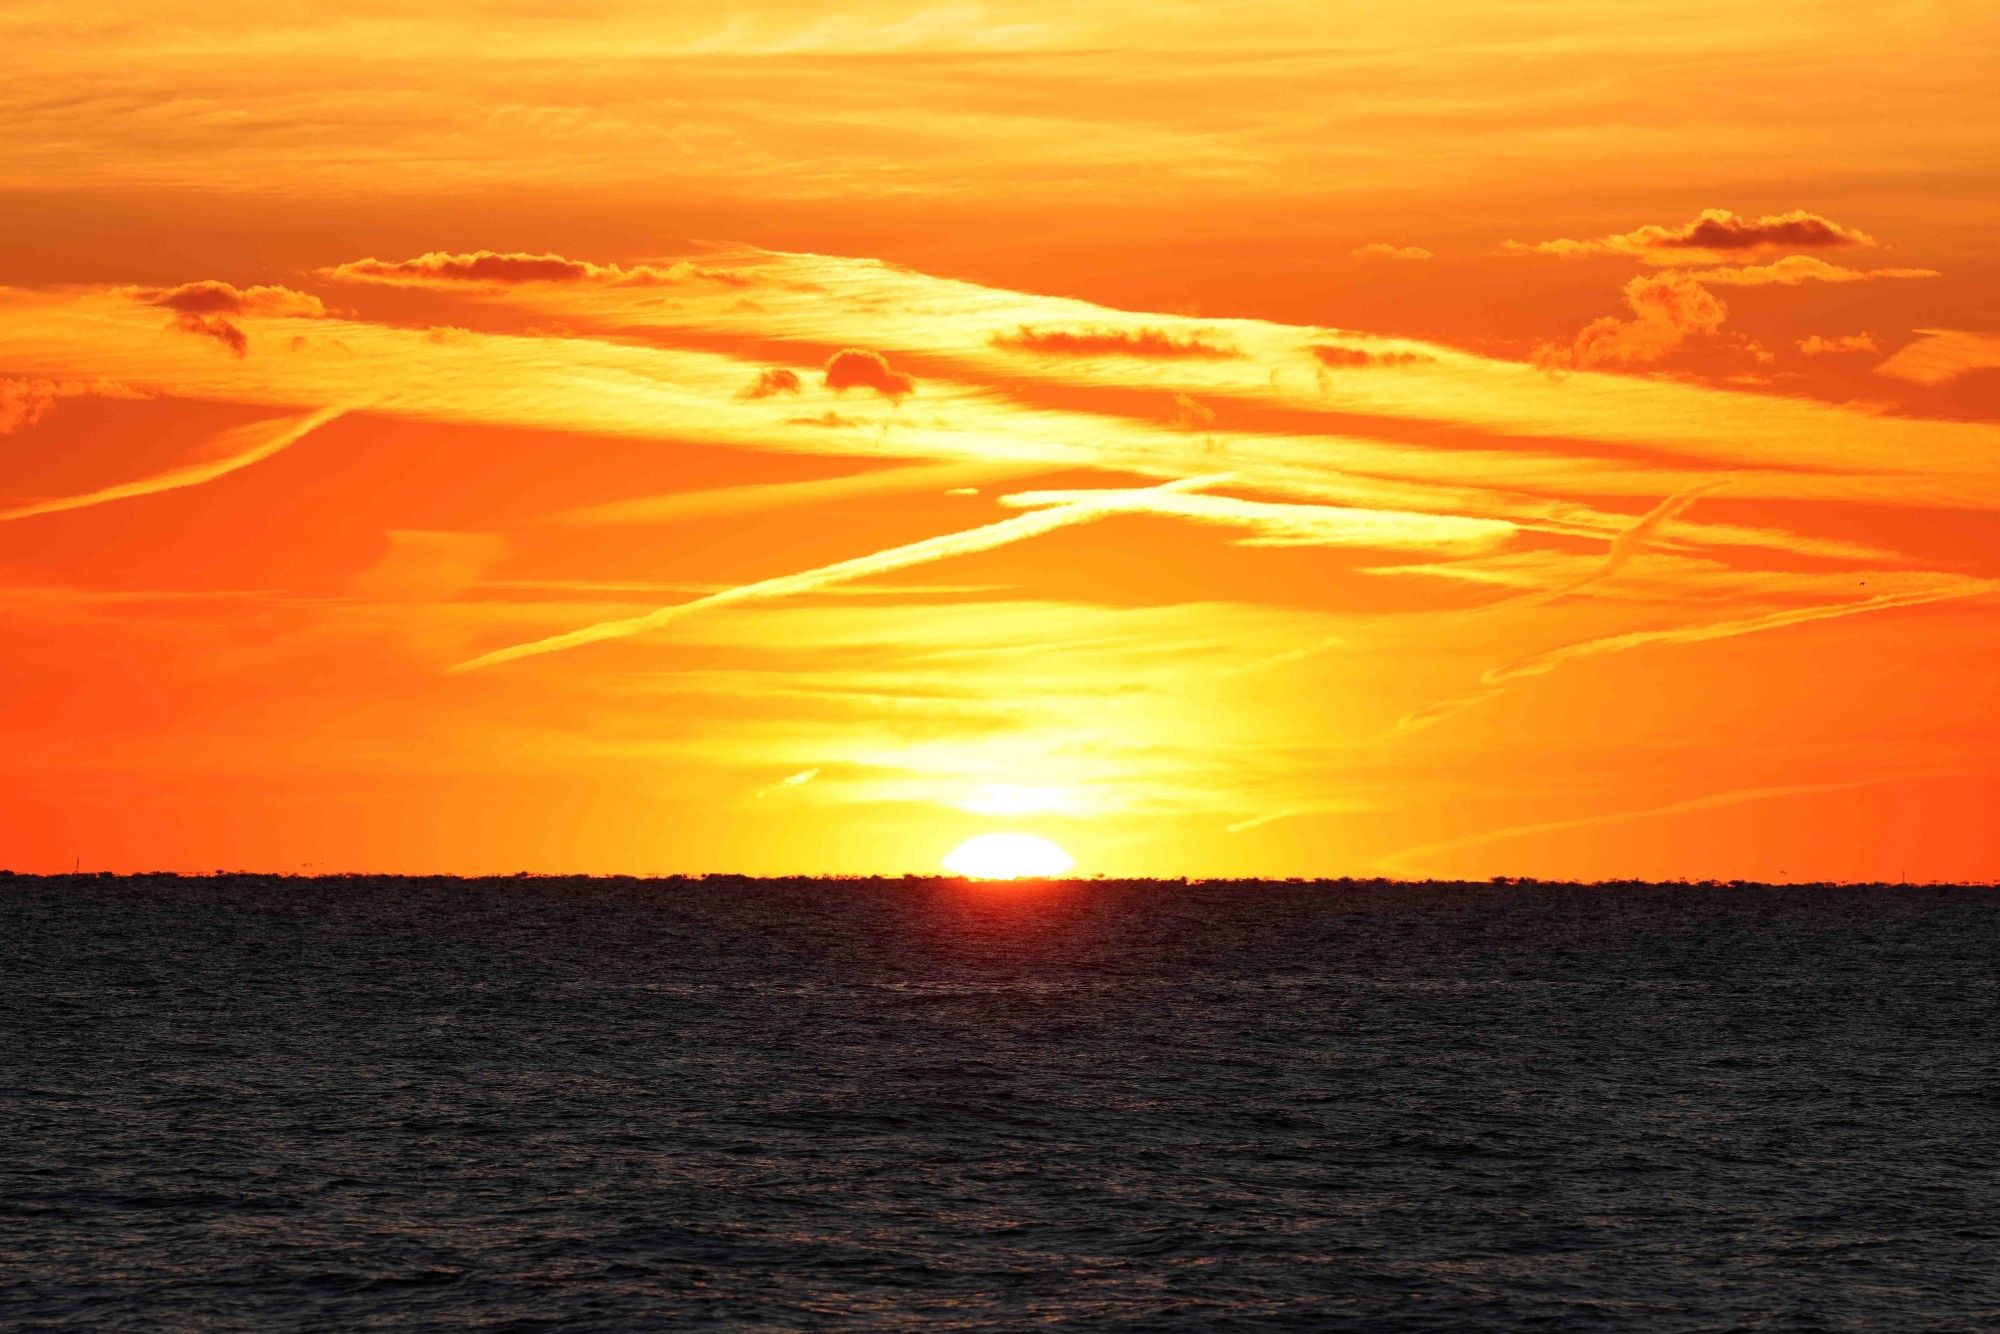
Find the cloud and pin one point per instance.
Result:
(1191, 414)
(1796, 269)
(258, 442)
(1145, 342)
(1339, 357)
(22, 403)
(770, 381)
(491, 268)
(1667, 308)
(25, 402)
(210, 297)
(1943, 354)
(221, 330)
(204, 308)
(791, 781)
(1813, 345)
(1384, 250)
(857, 368)
(924, 552)
(1712, 232)
(1356, 438)
(1671, 306)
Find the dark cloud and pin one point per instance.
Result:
(772, 381)
(1714, 231)
(218, 298)
(214, 326)
(492, 268)
(1345, 358)
(1154, 344)
(1719, 229)
(857, 368)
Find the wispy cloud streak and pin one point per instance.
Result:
(263, 446)
(931, 549)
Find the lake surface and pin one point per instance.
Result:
(256, 1103)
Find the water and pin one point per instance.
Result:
(257, 1103)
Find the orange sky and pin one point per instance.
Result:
(1275, 439)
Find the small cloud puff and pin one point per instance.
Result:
(1384, 250)
(857, 368)
(1667, 308)
(1191, 414)
(22, 403)
(771, 381)
(25, 402)
(1813, 345)
(1713, 232)
(492, 268)
(1145, 342)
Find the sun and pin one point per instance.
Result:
(1007, 857)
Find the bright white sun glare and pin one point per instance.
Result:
(1007, 857)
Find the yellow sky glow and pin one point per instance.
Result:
(1276, 439)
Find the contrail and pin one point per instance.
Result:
(765, 496)
(1497, 679)
(1275, 524)
(1395, 862)
(290, 432)
(861, 567)
(1259, 821)
(1623, 548)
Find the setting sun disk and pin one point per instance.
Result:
(1007, 857)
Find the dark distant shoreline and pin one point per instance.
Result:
(718, 879)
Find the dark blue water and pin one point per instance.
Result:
(257, 1103)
